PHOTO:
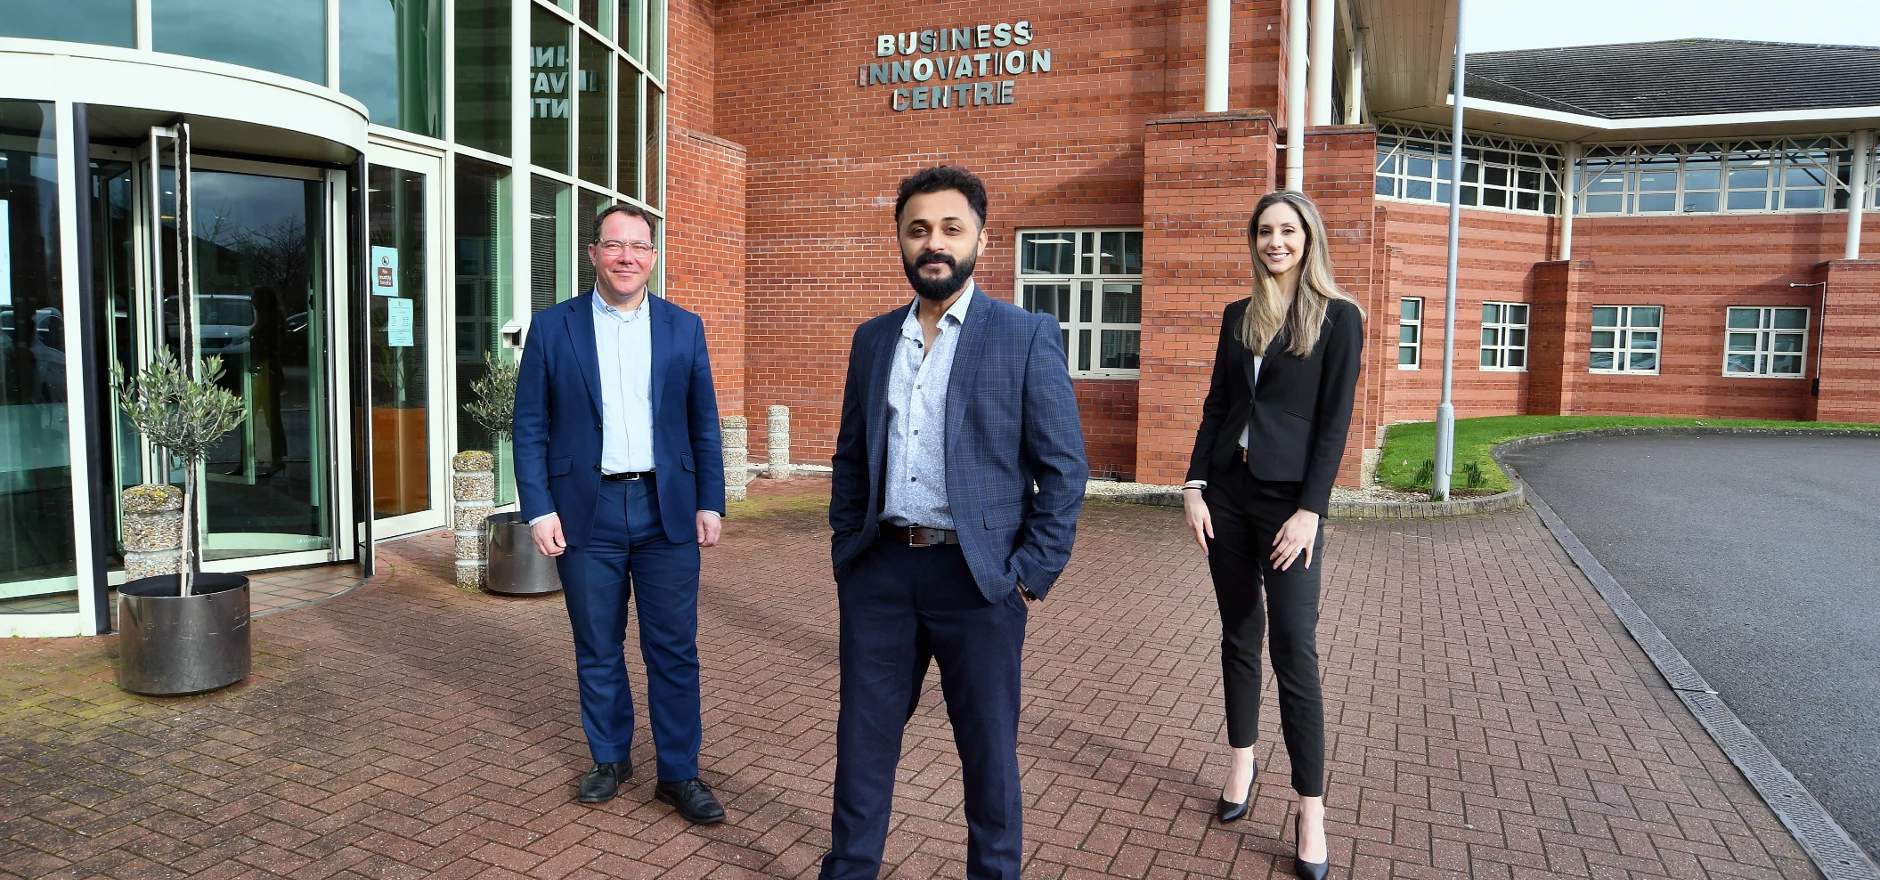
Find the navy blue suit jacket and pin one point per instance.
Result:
(558, 420)
(1012, 423)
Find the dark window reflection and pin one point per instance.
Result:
(101, 22)
(391, 57)
(483, 40)
(284, 36)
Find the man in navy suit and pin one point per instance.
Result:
(956, 406)
(621, 479)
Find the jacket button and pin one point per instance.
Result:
(597, 467)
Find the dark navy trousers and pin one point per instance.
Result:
(902, 607)
(629, 557)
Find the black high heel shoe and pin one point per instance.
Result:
(1303, 869)
(1228, 811)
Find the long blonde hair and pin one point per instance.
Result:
(1267, 313)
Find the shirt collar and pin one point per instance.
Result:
(601, 307)
(956, 313)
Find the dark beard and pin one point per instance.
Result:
(939, 289)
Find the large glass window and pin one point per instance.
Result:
(589, 203)
(482, 269)
(102, 22)
(1626, 339)
(1504, 336)
(654, 156)
(1769, 342)
(594, 78)
(391, 57)
(483, 40)
(1413, 165)
(1805, 174)
(1091, 281)
(38, 557)
(551, 90)
(627, 132)
(284, 36)
(549, 242)
(400, 348)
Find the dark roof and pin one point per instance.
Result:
(1679, 78)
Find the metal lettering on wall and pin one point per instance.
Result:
(950, 59)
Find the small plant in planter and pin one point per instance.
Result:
(513, 566)
(186, 632)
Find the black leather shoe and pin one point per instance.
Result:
(1303, 869)
(692, 799)
(1228, 811)
(603, 782)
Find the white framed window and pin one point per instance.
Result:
(1766, 342)
(1504, 336)
(1497, 172)
(1626, 339)
(1410, 333)
(1091, 280)
(1792, 174)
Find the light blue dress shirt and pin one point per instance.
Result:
(917, 420)
(623, 345)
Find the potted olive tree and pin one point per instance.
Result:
(515, 567)
(187, 632)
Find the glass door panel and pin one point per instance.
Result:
(398, 203)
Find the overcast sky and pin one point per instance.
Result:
(1495, 25)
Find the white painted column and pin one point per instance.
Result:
(1320, 61)
(1354, 80)
(1569, 186)
(1220, 28)
(1296, 94)
(1857, 191)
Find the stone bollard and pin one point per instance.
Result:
(153, 531)
(778, 466)
(473, 488)
(737, 458)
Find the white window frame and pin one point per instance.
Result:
(1627, 174)
(1083, 333)
(1415, 346)
(1765, 351)
(1625, 332)
(1502, 328)
(1413, 166)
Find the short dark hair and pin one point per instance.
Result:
(944, 177)
(630, 211)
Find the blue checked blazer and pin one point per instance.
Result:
(1014, 442)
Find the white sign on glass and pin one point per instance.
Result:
(384, 271)
(398, 323)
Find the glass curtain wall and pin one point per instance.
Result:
(287, 37)
(38, 555)
(100, 22)
(483, 93)
(484, 302)
(401, 474)
(391, 57)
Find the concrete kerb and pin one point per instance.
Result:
(1833, 851)
(1171, 496)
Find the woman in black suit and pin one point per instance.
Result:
(1272, 434)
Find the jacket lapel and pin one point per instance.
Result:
(1274, 349)
(661, 333)
(880, 376)
(581, 333)
(967, 351)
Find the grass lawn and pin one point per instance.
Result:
(1407, 446)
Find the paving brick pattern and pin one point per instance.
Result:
(1488, 719)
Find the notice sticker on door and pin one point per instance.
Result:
(398, 323)
(385, 271)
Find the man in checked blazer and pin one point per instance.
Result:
(956, 406)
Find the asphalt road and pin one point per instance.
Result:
(1759, 558)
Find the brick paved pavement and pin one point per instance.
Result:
(1488, 719)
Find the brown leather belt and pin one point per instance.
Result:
(1240, 454)
(626, 476)
(919, 536)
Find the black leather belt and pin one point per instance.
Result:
(919, 536)
(626, 476)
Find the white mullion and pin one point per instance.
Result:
(78, 454)
(521, 181)
(449, 73)
(332, 44)
(145, 40)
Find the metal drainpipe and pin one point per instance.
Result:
(1857, 191)
(1220, 27)
(1569, 188)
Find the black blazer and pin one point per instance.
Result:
(1299, 415)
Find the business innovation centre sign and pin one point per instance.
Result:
(946, 68)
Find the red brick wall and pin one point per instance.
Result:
(1497, 263)
(1109, 410)
(1341, 164)
(1202, 175)
(1850, 366)
(825, 155)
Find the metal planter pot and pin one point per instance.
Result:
(516, 568)
(170, 644)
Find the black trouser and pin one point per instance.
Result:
(1247, 513)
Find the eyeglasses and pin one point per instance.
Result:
(614, 247)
